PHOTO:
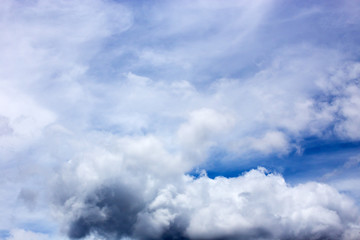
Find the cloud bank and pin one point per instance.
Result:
(256, 205)
(112, 111)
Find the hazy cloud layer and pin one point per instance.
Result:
(107, 106)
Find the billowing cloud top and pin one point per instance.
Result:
(148, 120)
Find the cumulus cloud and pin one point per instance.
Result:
(256, 205)
(271, 141)
(201, 131)
(106, 107)
(259, 206)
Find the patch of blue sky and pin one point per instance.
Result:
(318, 159)
(40, 226)
(4, 234)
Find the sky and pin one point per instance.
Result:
(141, 120)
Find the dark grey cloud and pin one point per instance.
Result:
(108, 211)
(111, 211)
(175, 231)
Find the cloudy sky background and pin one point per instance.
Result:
(179, 119)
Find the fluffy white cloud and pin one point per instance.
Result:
(271, 142)
(201, 131)
(256, 205)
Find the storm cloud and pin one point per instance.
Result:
(109, 210)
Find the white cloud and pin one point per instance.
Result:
(349, 107)
(201, 131)
(257, 206)
(21, 234)
(21, 125)
(271, 142)
(97, 97)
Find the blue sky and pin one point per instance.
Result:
(179, 119)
